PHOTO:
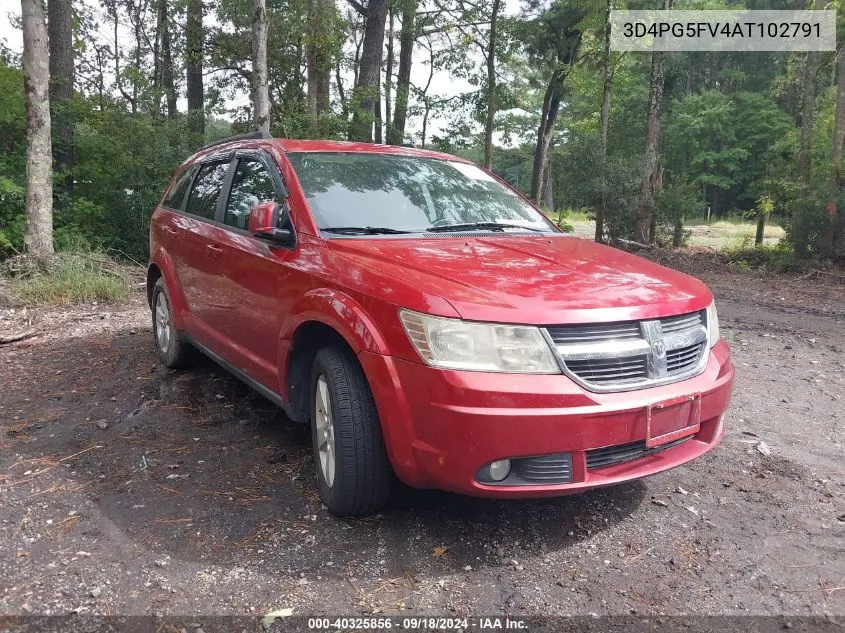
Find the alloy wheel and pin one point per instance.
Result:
(325, 430)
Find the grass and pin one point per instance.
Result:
(579, 216)
(777, 258)
(64, 279)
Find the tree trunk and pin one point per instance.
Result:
(318, 62)
(652, 182)
(311, 65)
(117, 78)
(38, 235)
(388, 74)
(839, 120)
(194, 39)
(407, 37)
(167, 80)
(60, 34)
(545, 131)
(157, 63)
(136, 22)
(341, 93)
(491, 87)
(260, 91)
(549, 186)
(805, 155)
(369, 73)
(830, 237)
(601, 212)
(377, 138)
(761, 228)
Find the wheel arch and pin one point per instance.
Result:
(321, 317)
(161, 267)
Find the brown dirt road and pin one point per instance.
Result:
(127, 488)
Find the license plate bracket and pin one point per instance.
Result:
(672, 419)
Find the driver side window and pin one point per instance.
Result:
(251, 185)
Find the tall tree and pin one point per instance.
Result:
(388, 71)
(318, 59)
(38, 235)
(407, 37)
(607, 89)
(556, 40)
(194, 41)
(837, 177)
(652, 182)
(60, 33)
(165, 63)
(260, 90)
(808, 112)
(490, 58)
(369, 73)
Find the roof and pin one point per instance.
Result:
(297, 145)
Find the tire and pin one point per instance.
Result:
(171, 348)
(359, 482)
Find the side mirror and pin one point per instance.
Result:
(265, 219)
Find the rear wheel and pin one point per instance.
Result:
(172, 351)
(353, 472)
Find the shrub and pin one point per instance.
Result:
(65, 278)
(779, 258)
(672, 205)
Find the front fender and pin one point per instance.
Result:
(342, 313)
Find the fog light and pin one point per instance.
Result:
(500, 470)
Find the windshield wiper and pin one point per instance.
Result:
(363, 230)
(473, 226)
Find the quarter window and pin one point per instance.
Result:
(206, 190)
(251, 185)
(176, 194)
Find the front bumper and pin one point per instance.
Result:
(441, 427)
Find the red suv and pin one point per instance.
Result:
(426, 320)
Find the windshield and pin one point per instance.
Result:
(395, 194)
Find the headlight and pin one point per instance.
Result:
(713, 324)
(456, 344)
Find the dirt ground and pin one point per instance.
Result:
(127, 488)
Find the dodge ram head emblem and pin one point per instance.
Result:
(653, 334)
(658, 349)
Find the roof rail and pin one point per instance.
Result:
(239, 137)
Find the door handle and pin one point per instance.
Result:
(214, 251)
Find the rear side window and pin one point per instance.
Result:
(251, 185)
(176, 194)
(206, 190)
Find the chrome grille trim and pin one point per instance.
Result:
(621, 453)
(628, 355)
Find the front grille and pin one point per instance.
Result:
(683, 358)
(546, 469)
(611, 370)
(621, 453)
(632, 354)
(591, 333)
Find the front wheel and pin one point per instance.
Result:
(353, 472)
(171, 350)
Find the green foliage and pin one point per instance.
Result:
(672, 205)
(65, 278)
(808, 224)
(729, 137)
(123, 163)
(775, 259)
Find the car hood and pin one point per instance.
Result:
(530, 279)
